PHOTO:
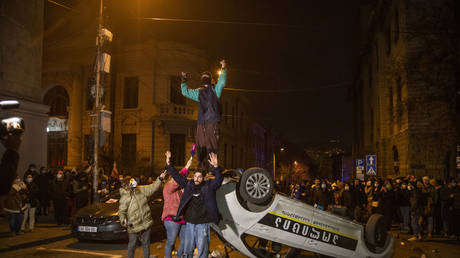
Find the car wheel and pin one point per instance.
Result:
(376, 232)
(256, 186)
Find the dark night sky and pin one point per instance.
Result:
(315, 53)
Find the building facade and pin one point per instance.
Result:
(406, 89)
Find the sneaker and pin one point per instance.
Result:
(412, 238)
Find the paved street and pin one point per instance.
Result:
(48, 240)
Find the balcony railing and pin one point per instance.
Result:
(175, 110)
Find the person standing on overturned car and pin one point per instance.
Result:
(134, 213)
(198, 204)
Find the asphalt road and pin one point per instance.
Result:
(49, 240)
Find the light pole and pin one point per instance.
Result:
(97, 105)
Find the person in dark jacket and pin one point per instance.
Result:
(198, 204)
(417, 205)
(81, 190)
(59, 193)
(31, 202)
(349, 200)
(402, 196)
(387, 200)
(322, 197)
(44, 182)
(208, 112)
(446, 207)
(9, 163)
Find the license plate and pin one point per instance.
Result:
(87, 229)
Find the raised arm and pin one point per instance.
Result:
(149, 190)
(182, 181)
(186, 92)
(222, 79)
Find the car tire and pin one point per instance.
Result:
(256, 186)
(376, 232)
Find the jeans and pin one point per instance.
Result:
(29, 214)
(416, 228)
(172, 230)
(405, 213)
(145, 240)
(15, 220)
(196, 235)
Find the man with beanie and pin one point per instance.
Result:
(208, 111)
(198, 204)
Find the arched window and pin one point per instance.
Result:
(58, 100)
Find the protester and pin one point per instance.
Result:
(322, 197)
(134, 213)
(198, 204)
(208, 112)
(59, 193)
(174, 225)
(44, 182)
(9, 163)
(31, 202)
(15, 207)
(416, 206)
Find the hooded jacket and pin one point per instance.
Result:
(208, 192)
(134, 206)
(14, 202)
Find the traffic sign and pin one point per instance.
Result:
(359, 163)
(371, 160)
(371, 170)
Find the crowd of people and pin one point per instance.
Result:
(65, 190)
(422, 207)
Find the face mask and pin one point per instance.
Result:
(323, 186)
(132, 183)
(410, 188)
(29, 180)
(59, 176)
(205, 80)
(347, 188)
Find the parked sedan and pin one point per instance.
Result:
(100, 221)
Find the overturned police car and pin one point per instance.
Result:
(252, 214)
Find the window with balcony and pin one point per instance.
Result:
(131, 92)
(175, 91)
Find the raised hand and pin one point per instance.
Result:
(213, 159)
(168, 157)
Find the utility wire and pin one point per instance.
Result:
(222, 22)
(339, 85)
(60, 5)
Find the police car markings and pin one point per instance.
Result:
(314, 232)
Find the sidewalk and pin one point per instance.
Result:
(41, 234)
